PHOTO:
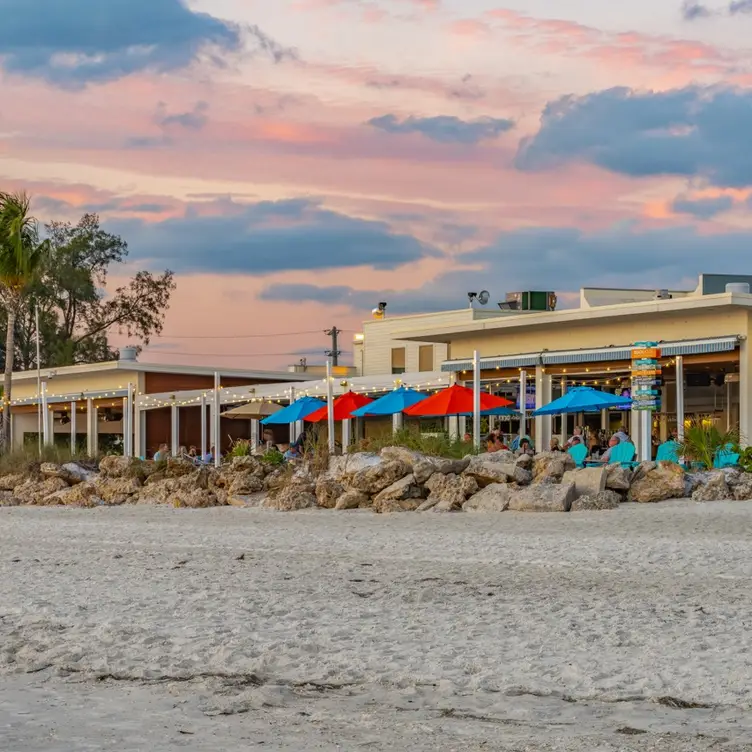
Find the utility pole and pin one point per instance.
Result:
(335, 352)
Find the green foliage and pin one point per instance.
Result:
(703, 439)
(240, 448)
(745, 460)
(434, 445)
(273, 457)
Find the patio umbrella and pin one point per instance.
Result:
(582, 399)
(294, 412)
(253, 411)
(456, 400)
(343, 407)
(389, 404)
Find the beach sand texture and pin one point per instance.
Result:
(148, 628)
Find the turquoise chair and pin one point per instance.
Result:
(725, 457)
(623, 454)
(668, 452)
(578, 453)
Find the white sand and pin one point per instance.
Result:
(138, 628)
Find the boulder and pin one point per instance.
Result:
(448, 492)
(486, 471)
(388, 506)
(199, 498)
(352, 500)
(504, 456)
(618, 478)
(243, 502)
(543, 497)
(642, 470)
(75, 473)
(525, 461)
(7, 499)
(405, 488)
(246, 482)
(51, 470)
(290, 499)
(664, 480)
(116, 490)
(9, 482)
(422, 467)
(588, 481)
(493, 498)
(446, 466)
(374, 479)
(178, 466)
(81, 495)
(114, 466)
(742, 490)
(276, 480)
(549, 467)
(158, 492)
(328, 490)
(249, 464)
(605, 499)
(714, 489)
(343, 466)
(37, 492)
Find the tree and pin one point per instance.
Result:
(22, 257)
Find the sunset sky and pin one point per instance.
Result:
(297, 161)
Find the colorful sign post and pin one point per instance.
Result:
(646, 376)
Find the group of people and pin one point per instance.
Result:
(577, 438)
(191, 453)
(495, 443)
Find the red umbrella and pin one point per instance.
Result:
(456, 400)
(343, 406)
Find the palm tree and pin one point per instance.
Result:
(21, 259)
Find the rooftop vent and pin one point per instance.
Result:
(128, 354)
(738, 287)
(663, 295)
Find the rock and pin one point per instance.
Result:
(405, 488)
(328, 490)
(374, 479)
(388, 506)
(9, 482)
(243, 502)
(618, 478)
(588, 481)
(525, 461)
(487, 471)
(642, 470)
(714, 489)
(81, 495)
(114, 466)
(290, 499)
(200, 498)
(249, 465)
(246, 482)
(449, 492)
(7, 499)
(493, 498)
(51, 470)
(605, 499)
(549, 467)
(422, 467)
(37, 492)
(74, 473)
(427, 504)
(343, 466)
(664, 480)
(116, 490)
(742, 490)
(276, 480)
(178, 466)
(544, 497)
(734, 475)
(446, 466)
(352, 500)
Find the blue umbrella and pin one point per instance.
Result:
(390, 404)
(582, 399)
(298, 410)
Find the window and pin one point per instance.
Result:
(425, 358)
(398, 360)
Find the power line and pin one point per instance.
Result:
(241, 336)
(221, 355)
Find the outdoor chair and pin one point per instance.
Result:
(578, 453)
(623, 454)
(726, 457)
(668, 452)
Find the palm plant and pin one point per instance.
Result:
(21, 259)
(703, 440)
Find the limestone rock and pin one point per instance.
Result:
(38, 492)
(549, 467)
(543, 497)
(352, 500)
(374, 479)
(405, 488)
(493, 498)
(276, 480)
(7, 499)
(487, 471)
(9, 482)
(346, 465)
(158, 492)
(117, 490)
(200, 498)
(422, 467)
(328, 490)
(51, 470)
(75, 473)
(618, 478)
(427, 505)
(714, 489)
(81, 495)
(664, 480)
(290, 499)
(525, 461)
(605, 499)
(249, 465)
(387, 506)
(449, 492)
(446, 466)
(178, 466)
(246, 482)
(115, 466)
(642, 470)
(588, 481)
(742, 490)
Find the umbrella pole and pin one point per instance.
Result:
(476, 399)
(217, 422)
(293, 426)
(523, 404)
(330, 405)
(203, 426)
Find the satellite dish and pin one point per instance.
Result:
(483, 297)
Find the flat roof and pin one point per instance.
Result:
(134, 365)
(450, 332)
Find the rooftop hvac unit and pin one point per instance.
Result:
(663, 295)
(532, 300)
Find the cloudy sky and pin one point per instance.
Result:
(297, 161)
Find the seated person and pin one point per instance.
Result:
(576, 435)
(612, 442)
(525, 448)
(556, 445)
(162, 453)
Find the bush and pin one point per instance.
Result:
(434, 445)
(703, 439)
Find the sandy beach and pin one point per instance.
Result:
(147, 628)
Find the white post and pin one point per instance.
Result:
(397, 421)
(254, 433)
(73, 428)
(139, 432)
(646, 435)
(476, 399)
(346, 434)
(604, 419)
(175, 429)
(92, 427)
(680, 398)
(203, 427)
(293, 427)
(523, 404)
(129, 411)
(564, 418)
(217, 422)
(126, 427)
(330, 405)
(39, 381)
(45, 416)
(543, 423)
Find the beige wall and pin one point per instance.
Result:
(591, 297)
(84, 382)
(593, 333)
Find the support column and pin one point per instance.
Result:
(645, 452)
(92, 428)
(254, 433)
(73, 427)
(397, 422)
(523, 404)
(139, 433)
(663, 420)
(564, 418)
(217, 422)
(476, 402)
(44, 411)
(462, 426)
(174, 429)
(744, 365)
(330, 406)
(126, 428)
(293, 435)
(635, 430)
(543, 423)
(204, 447)
(346, 434)
(129, 400)
(604, 420)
